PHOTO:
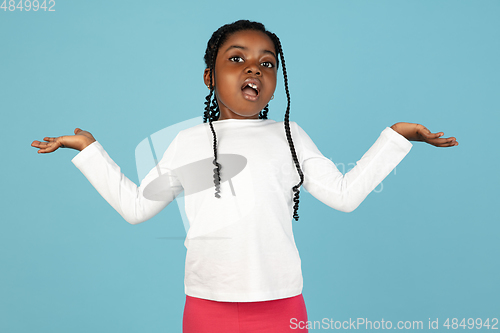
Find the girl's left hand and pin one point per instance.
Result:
(418, 132)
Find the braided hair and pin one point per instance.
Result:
(212, 111)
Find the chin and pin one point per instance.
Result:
(246, 114)
(255, 115)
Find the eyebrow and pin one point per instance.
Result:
(244, 48)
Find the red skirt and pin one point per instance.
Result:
(276, 316)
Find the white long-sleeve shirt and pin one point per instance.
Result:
(240, 247)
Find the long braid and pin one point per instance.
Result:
(296, 188)
(263, 113)
(210, 113)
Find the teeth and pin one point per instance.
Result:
(252, 85)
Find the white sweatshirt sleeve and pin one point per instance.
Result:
(119, 191)
(346, 192)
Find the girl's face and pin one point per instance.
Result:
(245, 74)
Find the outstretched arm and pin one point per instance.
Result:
(417, 132)
(325, 182)
(105, 175)
(121, 193)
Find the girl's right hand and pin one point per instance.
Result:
(79, 141)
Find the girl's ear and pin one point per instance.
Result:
(206, 77)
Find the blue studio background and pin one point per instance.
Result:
(423, 245)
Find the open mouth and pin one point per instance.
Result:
(250, 90)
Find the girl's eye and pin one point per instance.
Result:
(268, 64)
(236, 59)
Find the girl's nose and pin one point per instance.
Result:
(253, 69)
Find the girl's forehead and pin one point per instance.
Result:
(249, 39)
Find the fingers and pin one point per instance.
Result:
(452, 142)
(424, 134)
(46, 147)
(430, 136)
(435, 140)
(444, 142)
(448, 144)
(43, 147)
(39, 144)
